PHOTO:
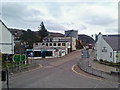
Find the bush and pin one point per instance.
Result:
(101, 60)
(118, 63)
(106, 61)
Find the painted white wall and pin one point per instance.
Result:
(100, 44)
(115, 58)
(6, 38)
(0, 36)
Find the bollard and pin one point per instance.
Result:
(3, 78)
(92, 70)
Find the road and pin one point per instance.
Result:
(57, 73)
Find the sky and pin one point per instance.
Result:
(88, 17)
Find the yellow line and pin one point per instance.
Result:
(89, 76)
(82, 74)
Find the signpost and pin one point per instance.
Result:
(85, 54)
(17, 58)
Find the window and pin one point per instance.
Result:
(63, 44)
(36, 43)
(54, 44)
(46, 44)
(110, 54)
(59, 44)
(50, 39)
(49, 53)
(67, 44)
(29, 53)
(50, 44)
(37, 53)
(42, 43)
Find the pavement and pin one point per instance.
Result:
(98, 66)
(58, 73)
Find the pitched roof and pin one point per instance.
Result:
(113, 41)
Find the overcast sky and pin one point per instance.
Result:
(87, 17)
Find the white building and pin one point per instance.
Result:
(71, 40)
(50, 49)
(107, 48)
(53, 47)
(6, 40)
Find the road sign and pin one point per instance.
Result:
(18, 58)
(85, 54)
(117, 56)
(23, 57)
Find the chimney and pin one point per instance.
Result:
(99, 32)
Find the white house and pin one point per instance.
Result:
(107, 48)
(6, 40)
(53, 47)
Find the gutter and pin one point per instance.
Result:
(113, 56)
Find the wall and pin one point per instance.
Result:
(100, 44)
(6, 41)
(71, 33)
(111, 76)
(67, 45)
(115, 58)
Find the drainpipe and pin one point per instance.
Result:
(12, 43)
(113, 56)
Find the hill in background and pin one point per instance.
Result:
(84, 38)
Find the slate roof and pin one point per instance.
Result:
(113, 41)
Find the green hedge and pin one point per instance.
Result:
(108, 63)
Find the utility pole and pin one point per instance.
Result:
(119, 78)
(7, 73)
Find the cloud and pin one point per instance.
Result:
(52, 25)
(86, 17)
(112, 30)
(99, 20)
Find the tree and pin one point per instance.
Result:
(42, 31)
(30, 37)
(79, 45)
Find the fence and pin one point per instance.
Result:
(21, 67)
(113, 76)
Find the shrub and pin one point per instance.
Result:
(118, 63)
(101, 60)
(106, 61)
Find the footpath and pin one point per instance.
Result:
(98, 66)
(95, 68)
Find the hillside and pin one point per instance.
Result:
(86, 39)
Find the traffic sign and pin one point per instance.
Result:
(23, 57)
(117, 56)
(85, 54)
(18, 58)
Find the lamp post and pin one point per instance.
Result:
(7, 72)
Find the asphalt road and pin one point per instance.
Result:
(57, 73)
